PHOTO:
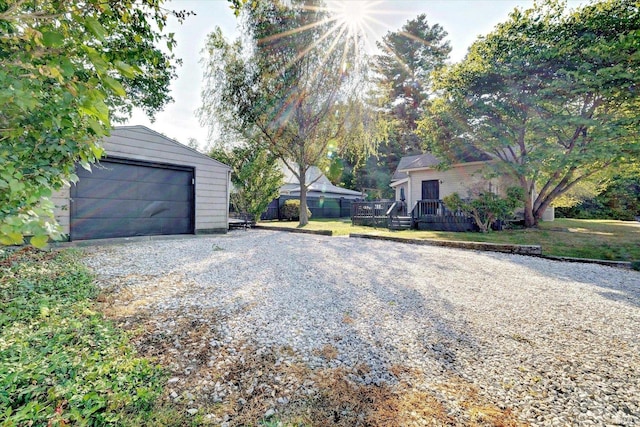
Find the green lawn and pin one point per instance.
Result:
(581, 238)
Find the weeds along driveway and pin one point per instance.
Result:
(262, 325)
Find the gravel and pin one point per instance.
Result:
(554, 343)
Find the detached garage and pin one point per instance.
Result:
(147, 184)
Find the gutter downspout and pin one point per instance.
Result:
(409, 194)
(228, 198)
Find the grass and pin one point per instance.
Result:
(579, 238)
(61, 362)
(340, 227)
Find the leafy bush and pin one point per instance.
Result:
(291, 210)
(62, 363)
(487, 207)
(68, 70)
(620, 200)
(255, 175)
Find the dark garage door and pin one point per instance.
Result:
(124, 198)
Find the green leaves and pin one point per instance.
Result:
(256, 178)
(52, 39)
(95, 28)
(61, 82)
(486, 207)
(100, 64)
(125, 69)
(547, 94)
(284, 90)
(9, 237)
(114, 85)
(62, 363)
(95, 108)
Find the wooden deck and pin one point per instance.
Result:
(444, 223)
(426, 215)
(370, 214)
(433, 215)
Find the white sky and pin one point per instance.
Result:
(463, 20)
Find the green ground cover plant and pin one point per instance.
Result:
(61, 362)
(596, 239)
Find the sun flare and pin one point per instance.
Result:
(352, 14)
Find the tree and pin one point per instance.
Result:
(552, 95)
(585, 189)
(66, 69)
(288, 87)
(403, 76)
(193, 143)
(255, 175)
(619, 198)
(402, 88)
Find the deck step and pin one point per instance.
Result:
(400, 223)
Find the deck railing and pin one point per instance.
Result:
(429, 214)
(370, 213)
(398, 208)
(432, 207)
(433, 215)
(370, 209)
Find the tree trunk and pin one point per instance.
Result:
(304, 219)
(530, 220)
(541, 209)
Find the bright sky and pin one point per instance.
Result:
(463, 20)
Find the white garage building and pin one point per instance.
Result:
(147, 184)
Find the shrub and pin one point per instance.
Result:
(487, 207)
(291, 210)
(620, 200)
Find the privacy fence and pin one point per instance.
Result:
(320, 207)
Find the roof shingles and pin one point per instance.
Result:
(428, 160)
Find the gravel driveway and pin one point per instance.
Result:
(337, 331)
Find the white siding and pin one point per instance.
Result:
(141, 143)
(458, 179)
(62, 209)
(404, 185)
(549, 214)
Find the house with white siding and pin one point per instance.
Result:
(145, 184)
(421, 184)
(418, 178)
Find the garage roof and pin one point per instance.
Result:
(138, 132)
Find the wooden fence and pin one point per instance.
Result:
(322, 207)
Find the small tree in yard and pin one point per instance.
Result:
(255, 175)
(487, 207)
